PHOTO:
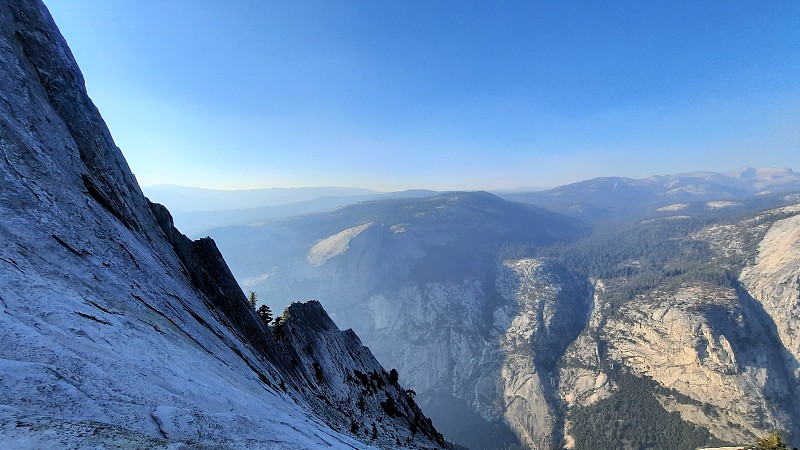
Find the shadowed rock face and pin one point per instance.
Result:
(116, 328)
(774, 278)
(358, 390)
(208, 273)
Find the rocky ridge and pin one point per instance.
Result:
(545, 313)
(119, 331)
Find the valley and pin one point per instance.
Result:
(611, 313)
(514, 328)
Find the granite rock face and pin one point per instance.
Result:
(717, 351)
(774, 279)
(699, 341)
(354, 385)
(117, 330)
(547, 311)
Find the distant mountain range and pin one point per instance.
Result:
(602, 198)
(424, 236)
(197, 210)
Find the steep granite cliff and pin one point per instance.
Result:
(117, 330)
(774, 279)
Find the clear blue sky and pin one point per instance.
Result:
(438, 94)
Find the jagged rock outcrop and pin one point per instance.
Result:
(351, 380)
(117, 330)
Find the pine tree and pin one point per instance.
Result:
(252, 299)
(265, 313)
(278, 327)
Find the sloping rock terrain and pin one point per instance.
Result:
(117, 330)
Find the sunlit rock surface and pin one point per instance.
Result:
(774, 279)
(117, 330)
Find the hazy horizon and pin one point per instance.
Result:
(442, 96)
(508, 190)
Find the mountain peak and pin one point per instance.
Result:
(311, 315)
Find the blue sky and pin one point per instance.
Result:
(438, 94)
